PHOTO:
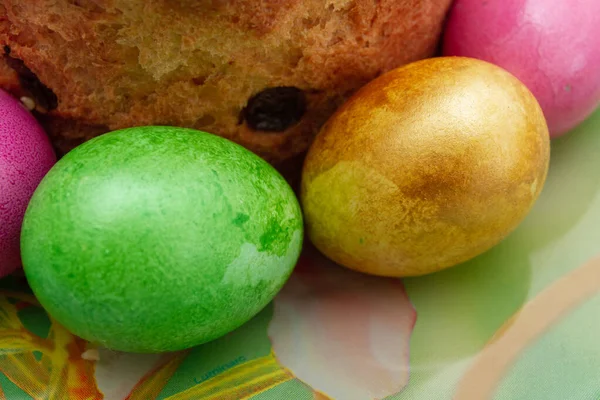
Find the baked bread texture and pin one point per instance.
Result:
(263, 73)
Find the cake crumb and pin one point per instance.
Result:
(91, 355)
(28, 102)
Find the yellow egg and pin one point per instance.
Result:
(425, 167)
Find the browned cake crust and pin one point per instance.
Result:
(264, 73)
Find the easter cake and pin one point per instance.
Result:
(263, 73)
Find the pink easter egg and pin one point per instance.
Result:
(552, 46)
(26, 155)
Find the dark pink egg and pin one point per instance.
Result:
(552, 46)
(26, 155)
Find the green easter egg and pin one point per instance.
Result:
(155, 239)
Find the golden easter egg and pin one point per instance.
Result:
(425, 167)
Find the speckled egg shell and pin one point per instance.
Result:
(157, 239)
(25, 157)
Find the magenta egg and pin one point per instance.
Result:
(26, 155)
(552, 46)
